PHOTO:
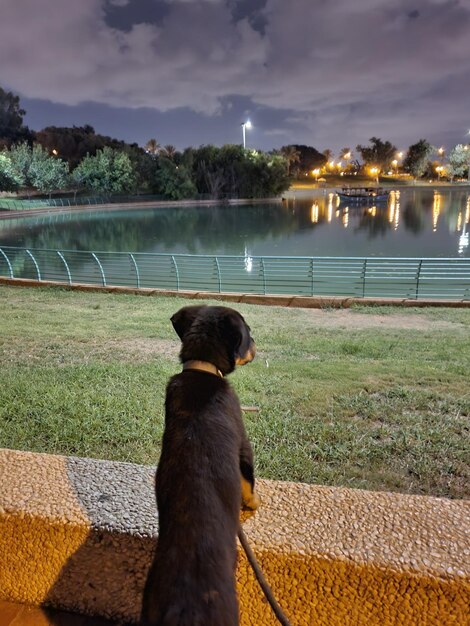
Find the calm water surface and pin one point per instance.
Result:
(419, 222)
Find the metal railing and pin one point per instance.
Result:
(372, 277)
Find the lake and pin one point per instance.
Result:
(416, 222)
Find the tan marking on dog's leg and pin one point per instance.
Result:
(250, 499)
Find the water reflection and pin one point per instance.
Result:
(414, 222)
(464, 237)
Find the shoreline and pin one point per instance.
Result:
(296, 187)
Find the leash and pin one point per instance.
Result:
(278, 612)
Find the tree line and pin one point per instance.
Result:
(79, 159)
(421, 160)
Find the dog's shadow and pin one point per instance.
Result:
(106, 575)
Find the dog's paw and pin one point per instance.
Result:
(252, 502)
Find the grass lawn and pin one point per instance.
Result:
(376, 398)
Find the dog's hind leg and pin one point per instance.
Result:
(250, 498)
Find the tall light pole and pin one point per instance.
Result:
(246, 124)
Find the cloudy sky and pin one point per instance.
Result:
(326, 73)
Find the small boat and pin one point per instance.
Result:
(363, 195)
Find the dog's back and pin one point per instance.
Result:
(204, 473)
(192, 579)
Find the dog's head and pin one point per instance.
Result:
(216, 334)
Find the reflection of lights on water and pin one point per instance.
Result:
(464, 237)
(463, 242)
(394, 209)
(248, 261)
(372, 211)
(314, 211)
(436, 209)
(346, 217)
(330, 206)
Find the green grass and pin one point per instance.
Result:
(374, 398)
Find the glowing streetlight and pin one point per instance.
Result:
(245, 125)
(374, 171)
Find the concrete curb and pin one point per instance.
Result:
(78, 534)
(307, 302)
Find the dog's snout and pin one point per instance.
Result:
(249, 355)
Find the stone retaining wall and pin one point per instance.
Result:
(78, 534)
(307, 302)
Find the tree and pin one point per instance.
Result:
(75, 143)
(47, 173)
(21, 157)
(309, 159)
(169, 151)
(173, 181)
(9, 179)
(379, 153)
(152, 147)
(11, 119)
(109, 171)
(236, 172)
(36, 168)
(459, 161)
(416, 161)
(291, 155)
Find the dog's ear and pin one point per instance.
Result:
(182, 320)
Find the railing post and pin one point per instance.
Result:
(175, 265)
(418, 275)
(218, 273)
(312, 276)
(103, 277)
(263, 274)
(66, 266)
(10, 268)
(35, 264)
(136, 269)
(364, 271)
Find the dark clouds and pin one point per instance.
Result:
(327, 73)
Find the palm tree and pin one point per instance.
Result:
(346, 155)
(152, 147)
(169, 151)
(291, 155)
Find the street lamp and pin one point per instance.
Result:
(246, 124)
(375, 173)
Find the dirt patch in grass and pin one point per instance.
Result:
(349, 318)
(68, 352)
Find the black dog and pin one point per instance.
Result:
(204, 474)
